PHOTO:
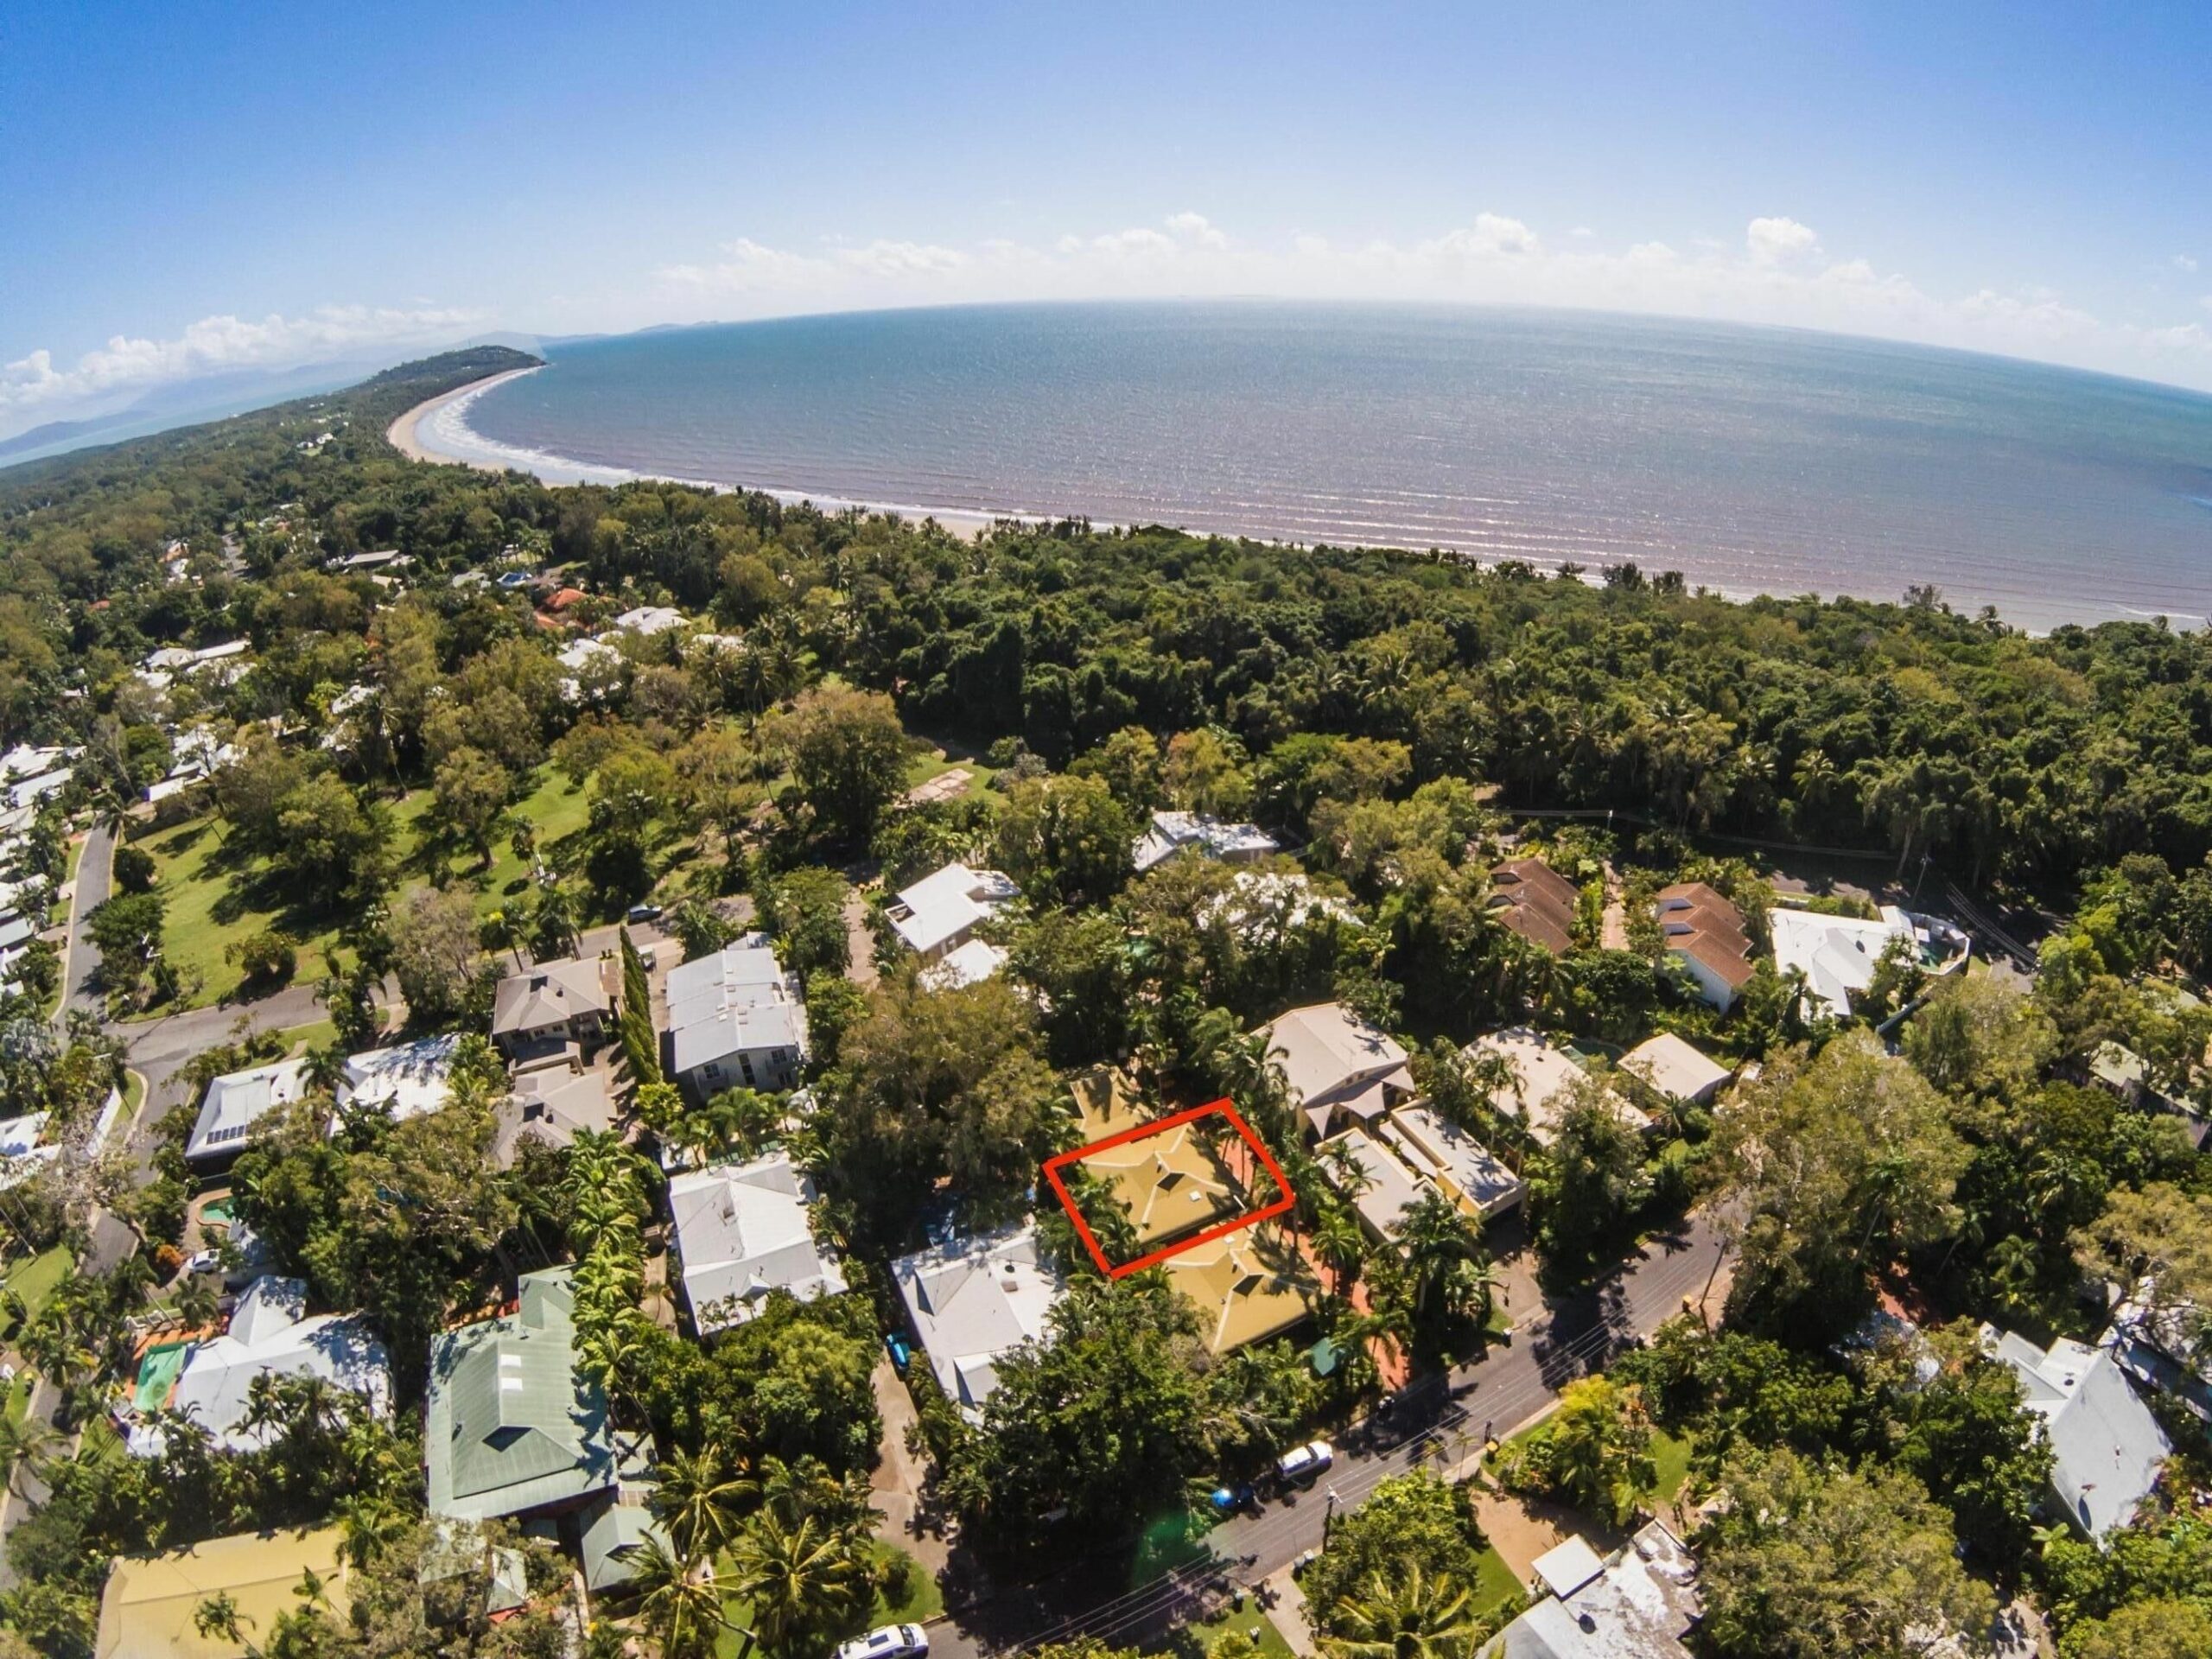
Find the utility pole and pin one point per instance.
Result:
(1329, 1518)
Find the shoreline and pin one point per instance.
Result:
(404, 434)
(968, 523)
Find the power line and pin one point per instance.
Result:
(1145, 1601)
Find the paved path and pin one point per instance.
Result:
(1439, 1424)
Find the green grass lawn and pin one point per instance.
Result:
(1247, 1619)
(298, 1039)
(922, 1601)
(33, 1280)
(1495, 1584)
(212, 905)
(214, 901)
(1671, 1452)
(927, 765)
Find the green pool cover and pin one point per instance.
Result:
(157, 1372)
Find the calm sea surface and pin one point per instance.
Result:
(1752, 460)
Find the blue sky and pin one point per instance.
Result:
(188, 190)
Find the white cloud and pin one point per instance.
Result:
(1196, 227)
(2182, 262)
(1777, 241)
(213, 345)
(881, 258)
(1778, 273)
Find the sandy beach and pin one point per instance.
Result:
(407, 435)
(402, 433)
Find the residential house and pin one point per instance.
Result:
(1534, 900)
(27, 760)
(1248, 1288)
(152, 1607)
(1705, 932)
(388, 559)
(1265, 907)
(591, 669)
(2107, 1446)
(1174, 1185)
(2124, 1074)
(234, 1104)
(25, 1148)
(735, 1018)
(1836, 954)
(613, 1534)
(1544, 1078)
(552, 1103)
(1334, 1063)
(650, 619)
(936, 919)
(1381, 1188)
(404, 1081)
(2167, 1349)
(512, 1427)
(1639, 1603)
(1676, 1070)
(744, 1230)
(271, 1335)
(543, 1009)
(1451, 1160)
(972, 1301)
(1199, 832)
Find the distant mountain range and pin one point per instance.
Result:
(210, 397)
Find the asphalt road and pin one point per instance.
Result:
(1441, 1424)
(95, 878)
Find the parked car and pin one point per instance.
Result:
(901, 1355)
(644, 914)
(1302, 1463)
(888, 1641)
(1228, 1500)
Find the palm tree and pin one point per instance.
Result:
(697, 1499)
(679, 1600)
(1413, 1615)
(372, 1523)
(1339, 1243)
(1438, 1241)
(798, 1577)
(27, 1443)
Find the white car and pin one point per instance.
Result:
(1303, 1463)
(891, 1641)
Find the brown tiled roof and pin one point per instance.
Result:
(1536, 901)
(1700, 923)
(1725, 924)
(1731, 963)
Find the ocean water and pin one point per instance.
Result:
(1750, 460)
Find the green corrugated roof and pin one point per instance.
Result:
(512, 1426)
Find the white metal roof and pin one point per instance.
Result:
(1674, 1068)
(407, 1079)
(973, 1299)
(270, 1335)
(940, 909)
(237, 1100)
(743, 1231)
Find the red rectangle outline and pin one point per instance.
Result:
(1222, 1230)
